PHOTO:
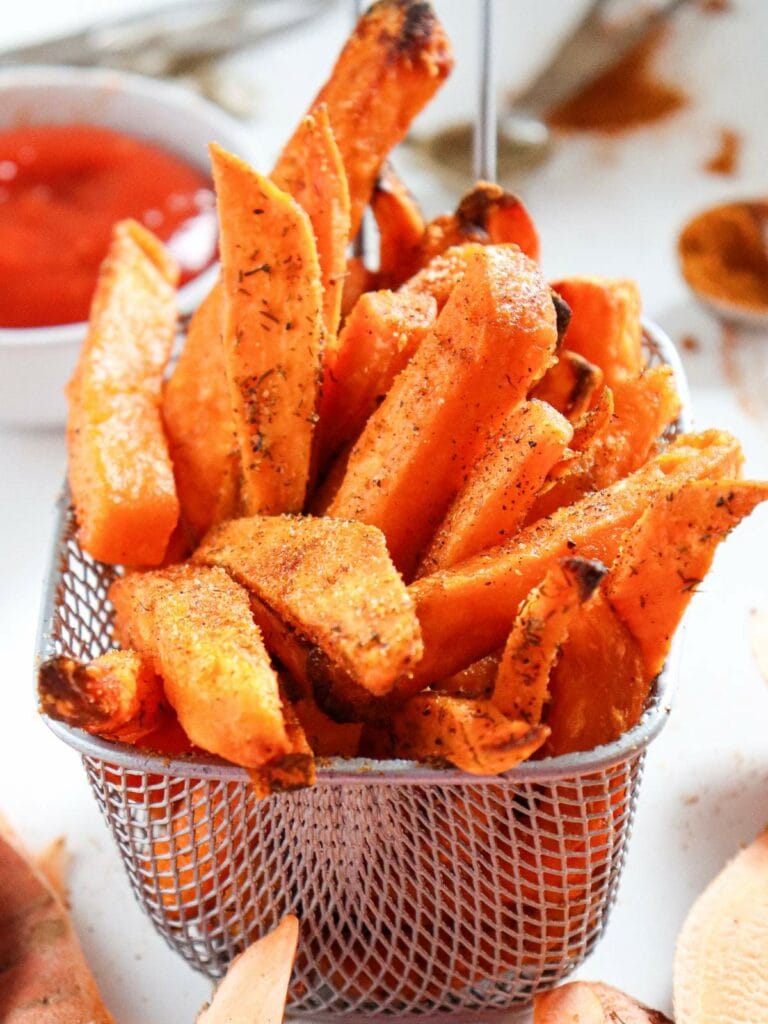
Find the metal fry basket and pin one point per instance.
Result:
(422, 893)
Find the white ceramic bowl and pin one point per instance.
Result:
(35, 362)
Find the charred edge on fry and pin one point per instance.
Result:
(588, 573)
(472, 211)
(563, 316)
(62, 688)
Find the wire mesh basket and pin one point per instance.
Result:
(422, 893)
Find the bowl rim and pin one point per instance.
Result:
(366, 771)
(151, 90)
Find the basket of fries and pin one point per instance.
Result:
(362, 611)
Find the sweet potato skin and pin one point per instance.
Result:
(332, 583)
(391, 66)
(195, 624)
(120, 472)
(467, 611)
(493, 339)
(273, 332)
(570, 384)
(501, 486)
(197, 415)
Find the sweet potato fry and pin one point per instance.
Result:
(45, 979)
(391, 66)
(598, 687)
(118, 695)
(605, 324)
(476, 680)
(468, 611)
(486, 214)
(120, 472)
(443, 272)
(570, 385)
(273, 332)
(326, 737)
(195, 624)
(311, 171)
(593, 422)
(334, 586)
(494, 338)
(254, 989)
(471, 734)
(379, 337)
(590, 1002)
(197, 414)
(357, 280)
(401, 227)
(644, 407)
(293, 770)
(501, 487)
(666, 555)
(540, 629)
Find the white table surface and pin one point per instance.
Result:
(607, 206)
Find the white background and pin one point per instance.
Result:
(609, 206)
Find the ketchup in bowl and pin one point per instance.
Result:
(62, 187)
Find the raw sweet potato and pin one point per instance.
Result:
(120, 472)
(471, 734)
(485, 214)
(118, 695)
(644, 406)
(393, 63)
(45, 979)
(255, 987)
(468, 611)
(666, 555)
(494, 338)
(400, 225)
(590, 1002)
(197, 414)
(442, 273)
(311, 171)
(605, 324)
(570, 385)
(541, 627)
(501, 486)
(598, 687)
(273, 332)
(195, 624)
(722, 950)
(332, 583)
(380, 335)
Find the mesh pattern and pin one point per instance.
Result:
(419, 896)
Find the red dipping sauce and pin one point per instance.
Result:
(62, 187)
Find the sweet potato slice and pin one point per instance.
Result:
(379, 336)
(471, 734)
(467, 611)
(326, 737)
(273, 332)
(293, 770)
(598, 687)
(401, 227)
(501, 487)
(485, 214)
(45, 979)
(570, 385)
(118, 695)
(494, 338)
(311, 170)
(442, 273)
(120, 472)
(644, 407)
(722, 950)
(541, 627)
(593, 422)
(665, 556)
(605, 324)
(197, 414)
(393, 63)
(476, 680)
(255, 988)
(332, 583)
(591, 1002)
(195, 624)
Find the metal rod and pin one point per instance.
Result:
(484, 142)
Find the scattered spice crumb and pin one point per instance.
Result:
(690, 343)
(691, 800)
(725, 160)
(716, 6)
(623, 97)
